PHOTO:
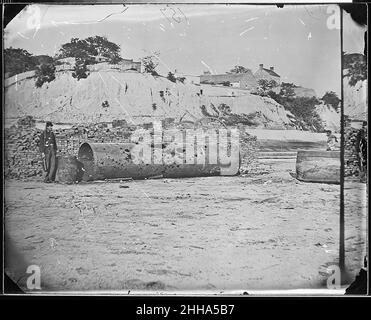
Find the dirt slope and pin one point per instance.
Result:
(132, 96)
(355, 99)
(329, 116)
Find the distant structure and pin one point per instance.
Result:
(101, 62)
(267, 74)
(69, 60)
(124, 64)
(100, 58)
(246, 80)
(238, 80)
(65, 64)
(188, 78)
(129, 64)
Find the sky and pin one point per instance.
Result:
(191, 39)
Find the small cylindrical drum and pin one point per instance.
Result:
(318, 166)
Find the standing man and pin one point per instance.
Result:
(332, 141)
(48, 149)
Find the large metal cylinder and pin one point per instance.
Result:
(318, 166)
(115, 160)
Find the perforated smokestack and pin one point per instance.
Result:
(272, 68)
(261, 66)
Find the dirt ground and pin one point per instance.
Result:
(254, 232)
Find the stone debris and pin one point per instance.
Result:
(249, 152)
(23, 159)
(350, 153)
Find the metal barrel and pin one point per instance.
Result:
(318, 166)
(116, 160)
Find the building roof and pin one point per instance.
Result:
(229, 76)
(272, 73)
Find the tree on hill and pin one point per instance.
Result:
(80, 70)
(265, 86)
(171, 77)
(44, 73)
(239, 69)
(303, 108)
(287, 90)
(357, 67)
(331, 99)
(87, 49)
(17, 61)
(181, 79)
(150, 65)
(43, 59)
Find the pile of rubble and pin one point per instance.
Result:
(22, 156)
(249, 152)
(23, 159)
(69, 140)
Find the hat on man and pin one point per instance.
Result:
(49, 124)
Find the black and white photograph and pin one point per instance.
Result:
(175, 149)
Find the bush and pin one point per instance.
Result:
(171, 77)
(80, 70)
(265, 86)
(239, 69)
(356, 66)
(18, 61)
(224, 109)
(303, 108)
(275, 96)
(181, 79)
(149, 65)
(287, 91)
(331, 99)
(44, 73)
(224, 113)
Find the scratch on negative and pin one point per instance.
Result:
(249, 29)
